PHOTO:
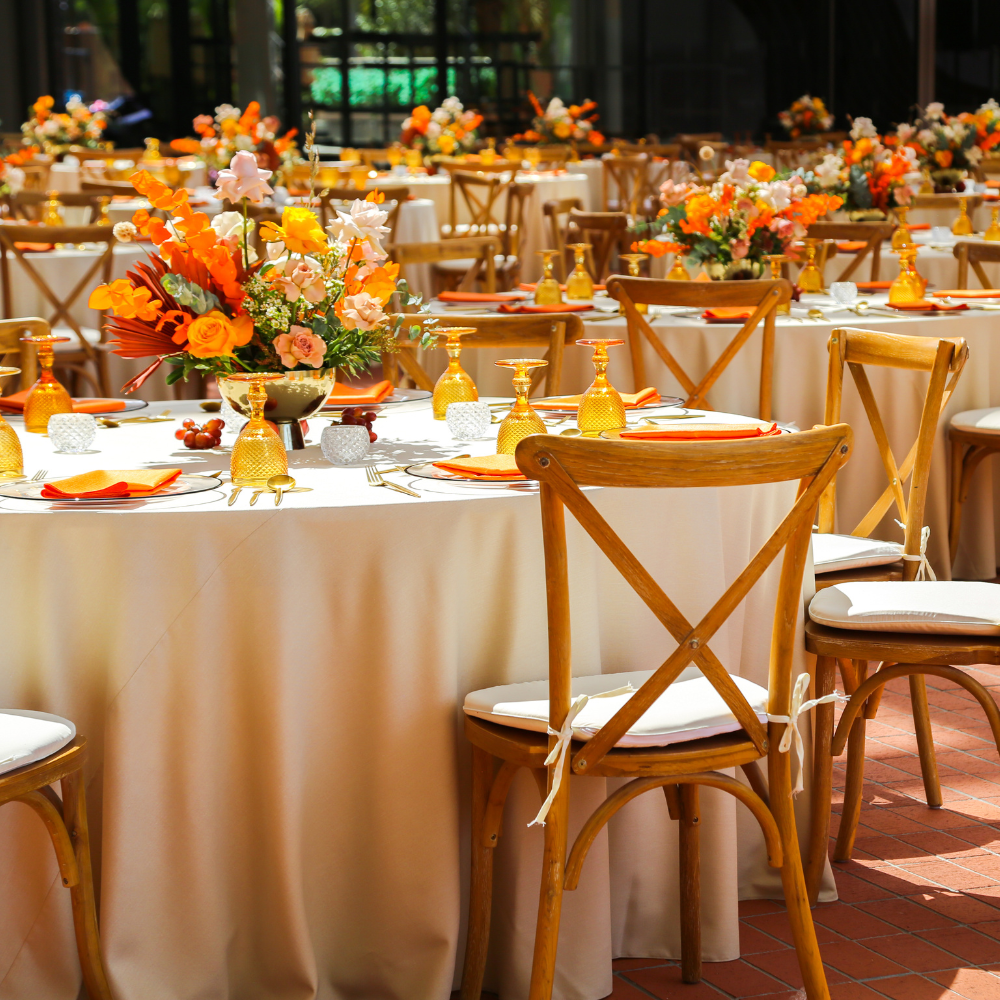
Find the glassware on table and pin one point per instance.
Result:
(678, 272)
(47, 395)
(522, 420)
(414, 160)
(927, 185)
(962, 226)
(940, 234)
(844, 292)
(907, 285)
(469, 421)
(72, 433)
(395, 156)
(533, 156)
(601, 407)
(992, 233)
(52, 210)
(547, 291)
(348, 154)
(11, 456)
(810, 277)
(258, 452)
(579, 285)
(901, 234)
(775, 260)
(344, 444)
(454, 384)
(235, 422)
(634, 265)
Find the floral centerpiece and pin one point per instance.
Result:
(444, 130)
(11, 174)
(806, 116)
(232, 131)
(730, 226)
(558, 123)
(206, 303)
(986, 121)
(946, 146)
(870, 177)
(79, 125)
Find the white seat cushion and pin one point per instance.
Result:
(463, 264)
(837, 552)
(90, 334)
(946, 607)
(690, 709)
(987, 420)
(29, 736)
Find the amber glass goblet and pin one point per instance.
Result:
(900, 235)
(906, 286)
(810, 277)
(679, 272)
(522, 420)
(547, 291)
(775, 260)
(634, 264)
(534, 157)
(47, 395)
(258, 452)
(454, 385)
(992, 234)
(962, 226)
(601, 408)
(11, 457)
(579, 285)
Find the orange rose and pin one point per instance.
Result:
(214, 335)
(944, 158)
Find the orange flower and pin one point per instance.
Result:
(375, 196)
(761, 171)
(381, 283)
(943, 158)
(214, 335)
(250, 117)
(186, 145)
(597, 138)
(655, 248)
(125, 301)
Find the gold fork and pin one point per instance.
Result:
(375, 479)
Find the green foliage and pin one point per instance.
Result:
(373, 86)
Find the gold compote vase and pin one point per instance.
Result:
(601, 407)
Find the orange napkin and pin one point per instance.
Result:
(851, 246)
(35, 247)
(925, 305)
(531, 286)
(115, 483)
(14, 403)
(967, 293)
(704, 432)
(914, 226)
(993, 184)
(727, 314)
(630, 399)
(346, 394)
(499, 467)
(562, 307)
(480, 296)
(872, 286)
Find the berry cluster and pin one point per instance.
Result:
(194, 436)
(354, 415)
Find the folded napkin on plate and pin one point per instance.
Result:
(531, 286)
(35, 247)
(500, 467)
(630, 399)
(368, 396)
(704, 432)
(727, 314)
(14, 403)
(925, 305)
(872, 286)
(562, 307)
(124, 483)
(918, 226)
(967, 293)
(481, 296)
(851, 246)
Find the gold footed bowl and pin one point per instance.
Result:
(296, 396)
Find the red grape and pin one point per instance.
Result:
(203, 440)
(189, 439)
(372, 436)
(189, 423)
(180, 433)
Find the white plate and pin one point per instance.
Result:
(430, 471)
(130, 405)
(665, 401)
(182, 485)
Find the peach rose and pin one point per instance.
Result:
(300, 346)
(214, 335)
(361, 312)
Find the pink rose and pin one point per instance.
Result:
(740, 249)
(361, 312)
(300, 346)
(904, 195)
(243, 179)
(301, 277)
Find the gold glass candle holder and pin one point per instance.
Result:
(414, 160)
(962, 226)
(258, 453)
(547, 291)
(810, 277)
(11, 456)
(359, 177)
(906, 286)
(634, 266)
(454, 385)
(992, 233)
(47, 395)
(601, 408)
(522, 420)
(775, 260)
(579, 285)
(394, 155)
(900, 235)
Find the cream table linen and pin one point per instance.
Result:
(273, 702)
(800, 369)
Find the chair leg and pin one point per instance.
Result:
(822, 782)
(481, 883)
(851, 812)
(955, 513)
(925, 740)
(690, 872)
(88, 940)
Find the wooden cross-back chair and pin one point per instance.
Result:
(499, 166)
(479, 250)
(604, 231)
(27, 205)
(622, 182)
(36, 176)
(794, 154)
(763, 297)
(552, 331)
(562, 466)
(975, 254)
(395, 195)
(554, 211)
(873, 233)
(943, 359)
(108, 186)
(481, 194)
(86, 346)
(14, 354)
(972, 201)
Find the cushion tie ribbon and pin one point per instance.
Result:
(925, 569)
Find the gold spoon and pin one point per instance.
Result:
(279, 484)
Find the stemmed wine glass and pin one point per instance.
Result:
(11, 457)
(258, 453)
(601, 407)
(522, 420)
(454, 385)
(47, 395)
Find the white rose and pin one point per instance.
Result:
(934, 111)
(244, 142)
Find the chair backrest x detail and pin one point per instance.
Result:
(873, 233)
(974, 254)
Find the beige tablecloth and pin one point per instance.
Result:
(273, 703)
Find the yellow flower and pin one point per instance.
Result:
(760, 171)
(563, 130)
(300, 231)
(447, 144)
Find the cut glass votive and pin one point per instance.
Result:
(468, 421)
(344, 444)
(72, 433)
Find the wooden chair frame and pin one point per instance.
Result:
(874, 232)
(968, 449)
(625, 175)
(74, 360)
(482, 249)
(26, 204)
(481, 193)
(107, 186)
(552, 210)
(11, 331)
(974, 254)
(563, 466)
(604, 231)
(553, 331)
(906, 655)
(973, 201)
(65, 820)
(765, 296)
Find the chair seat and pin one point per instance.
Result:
(839, 552)
(26, 737)
(690, 709)
(464, 263)
(982, 421)
(91, 334)
(941, 607)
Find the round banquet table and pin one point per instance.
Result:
(272, 696)
(800, 371)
